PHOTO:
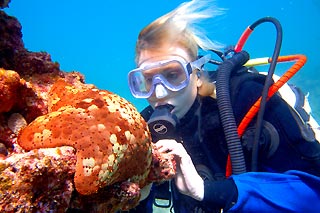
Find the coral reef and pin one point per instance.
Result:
(37, 181)
(65, 144)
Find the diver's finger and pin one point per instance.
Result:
(165, 145)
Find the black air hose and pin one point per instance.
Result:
(226, 111)
(268, 82)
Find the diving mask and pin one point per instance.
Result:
(174, 74)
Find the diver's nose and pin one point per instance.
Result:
(160, 91)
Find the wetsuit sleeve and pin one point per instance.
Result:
(292, 191)
(220, 194)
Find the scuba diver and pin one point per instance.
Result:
(239, 143)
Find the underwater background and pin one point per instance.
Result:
(97, 38)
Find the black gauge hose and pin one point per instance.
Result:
(267, 84)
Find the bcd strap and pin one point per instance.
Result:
(162, 196)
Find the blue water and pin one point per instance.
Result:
(97, 38)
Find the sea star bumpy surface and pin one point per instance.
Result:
(105, 129)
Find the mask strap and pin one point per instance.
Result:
(200, 62)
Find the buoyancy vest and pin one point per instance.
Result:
(289, 136)
(288, 141)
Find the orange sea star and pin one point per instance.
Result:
(111, 138)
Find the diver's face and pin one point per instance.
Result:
(183, 99)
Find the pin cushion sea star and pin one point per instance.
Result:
(105, 129)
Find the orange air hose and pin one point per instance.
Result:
(300, 61)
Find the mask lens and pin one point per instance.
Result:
(138, 82)
(174, 73)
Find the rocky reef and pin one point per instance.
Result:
(4, 3)
(65, 144)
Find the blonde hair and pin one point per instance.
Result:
(178, 28)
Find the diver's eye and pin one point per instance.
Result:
(172, 75)
(148, 79)
(175, 76)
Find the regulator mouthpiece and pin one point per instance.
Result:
(162, 123)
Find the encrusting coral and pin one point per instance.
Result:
(37, 181)
(65, 144)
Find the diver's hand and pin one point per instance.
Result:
(187, 179)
